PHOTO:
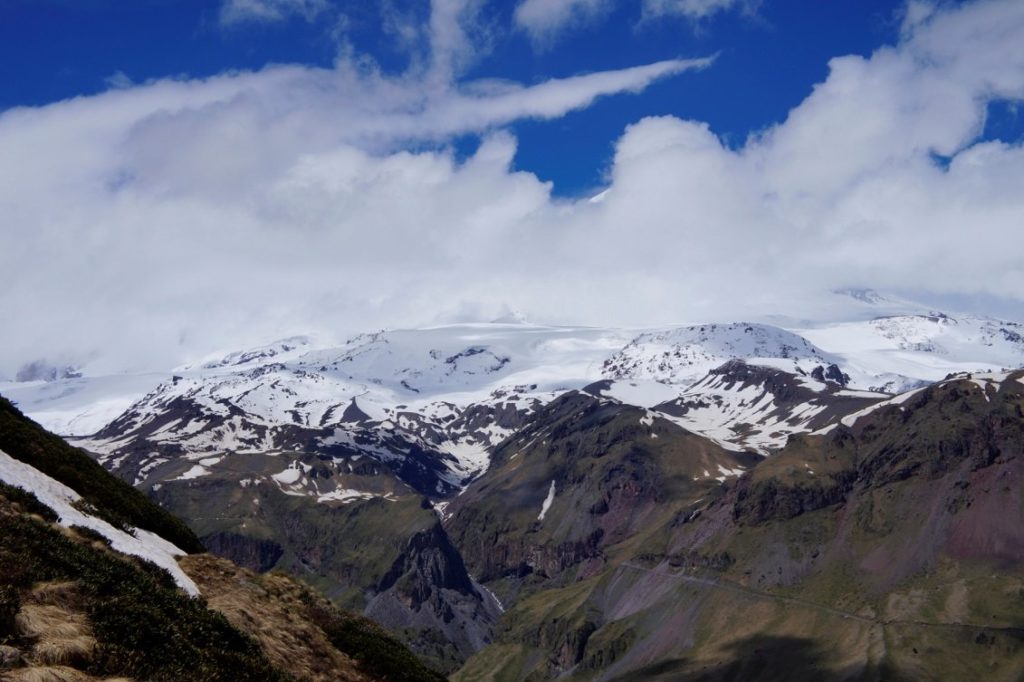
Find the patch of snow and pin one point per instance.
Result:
(289, 476)
(484, 592)
(642, 393)
(196, 471)
(727, 473)
(345, 496)
(60, 498)
(471, 459)
(851, 419)
(547, 502)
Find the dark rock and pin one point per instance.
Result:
(254, 554)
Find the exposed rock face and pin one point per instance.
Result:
(386, 556)
(427, 592)
(433, 562)
(254, 554)
(760, 407)
(832, 374)
(41, 370)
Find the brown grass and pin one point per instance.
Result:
(50, 616)
(270, 609)
(56, 673)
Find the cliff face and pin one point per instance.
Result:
(892, 548)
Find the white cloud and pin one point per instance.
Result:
(544, 19)
(234, 12)
(156, 222)
(118, 80)
(694, 9)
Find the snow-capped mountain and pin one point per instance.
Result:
(425, 406)
(421, 409)
(683, 355)
(899, 349)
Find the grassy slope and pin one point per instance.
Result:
(344, 551)
(113, 499)
(145, 627)
(302, 631)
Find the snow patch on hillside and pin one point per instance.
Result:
(59, 497)
(547, 502)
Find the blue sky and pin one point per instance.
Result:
(769, 58)
(180, 176)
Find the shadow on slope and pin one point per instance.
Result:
(764, 658)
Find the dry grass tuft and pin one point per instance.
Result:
(47, 674)
(50, 615)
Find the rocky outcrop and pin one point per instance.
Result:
(428, 594)
(251, 553)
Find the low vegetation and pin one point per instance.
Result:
(112, 499)
(66, 601)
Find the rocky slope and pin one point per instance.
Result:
(889, 548)
(757, 407)
(588, 474)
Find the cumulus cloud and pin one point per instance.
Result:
(148, 225)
